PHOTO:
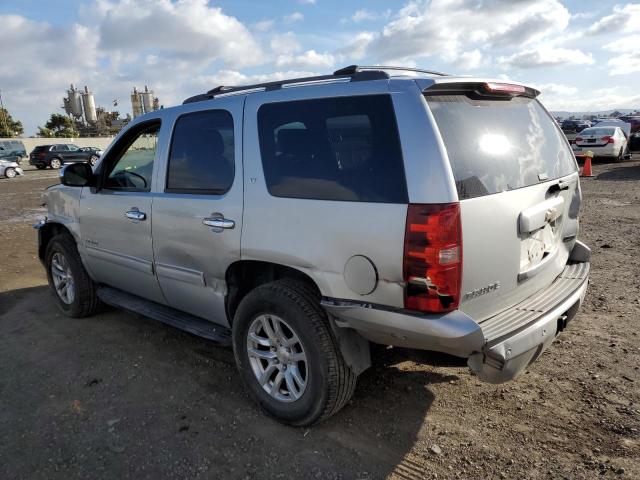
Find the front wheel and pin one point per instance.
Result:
(10, 172)
(72, 288)
(55, 163)
(287, 354)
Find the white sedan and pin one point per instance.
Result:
(603, 142)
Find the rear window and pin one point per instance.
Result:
(499, 145)
(598, 131)
(42, 148)
(333, 149)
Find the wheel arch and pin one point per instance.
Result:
(245, 275)
(49, 230)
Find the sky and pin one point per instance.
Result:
(584, 55)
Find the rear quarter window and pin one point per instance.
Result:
(344, 148)
(499, 145)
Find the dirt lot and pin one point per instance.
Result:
(118, 396)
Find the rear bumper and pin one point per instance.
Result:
(498, 348)
(608, 150)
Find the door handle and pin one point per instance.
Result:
(219, 222)
(135, 214)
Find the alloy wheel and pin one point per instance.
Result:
(277, 358)
(62, 278)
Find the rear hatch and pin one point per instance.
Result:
(39, 152)
(518, 187)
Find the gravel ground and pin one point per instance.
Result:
(119, 396)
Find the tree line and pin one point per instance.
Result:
(58, 125)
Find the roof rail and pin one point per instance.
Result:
(355, 76)
(352, 69)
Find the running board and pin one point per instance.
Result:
(170, 316)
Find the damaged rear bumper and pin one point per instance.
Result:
(515, 338)
(498, 348)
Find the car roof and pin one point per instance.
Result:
(355, 73)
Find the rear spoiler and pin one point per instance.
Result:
(489, 89)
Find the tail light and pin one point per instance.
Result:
(607, 139)
(42, 154)
(433, 257)
(578, 139)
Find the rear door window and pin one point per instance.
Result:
(499, 145)
(333, 149)
(202, 156)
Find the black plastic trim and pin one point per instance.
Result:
(356, 76)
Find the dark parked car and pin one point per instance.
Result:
(12, 150)
(54, 156)
(633, 120)
(574, 126)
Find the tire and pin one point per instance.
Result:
(93, 160)
(10, 172)
(41, 167)
(329, 382)
(62, 252)
(620, 157)
(55, 163)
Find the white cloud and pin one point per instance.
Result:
(547, 56)
(285, 43)
(307, 2)
(363, 14)
(189, 28)
(599, 100)
(263, 25)
(294, 17)
(357, 49)
(32, 81)
(623, 19)
(625, 63)
(627, 43)
(449, 28)
(469, 60)
(308, 59)
(556, 89)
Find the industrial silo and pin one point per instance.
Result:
(89, 106)
(136, 103)
(147, 100)
(73, 105)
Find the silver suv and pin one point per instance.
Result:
(300, 220)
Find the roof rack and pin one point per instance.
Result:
(353, 76)
(351, 69)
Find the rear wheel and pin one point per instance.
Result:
(72, 288)
(287, 354)
(55, 163)
(41, 167)
(620, 156)
(10, 172)
(93, 160)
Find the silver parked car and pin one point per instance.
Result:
(10, 168)
(300, 220)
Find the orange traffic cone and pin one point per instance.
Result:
(586, 170)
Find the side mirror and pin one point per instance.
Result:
(77, 175)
